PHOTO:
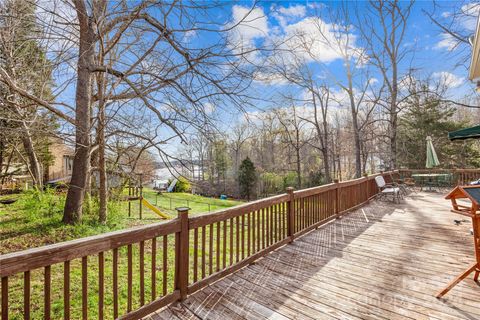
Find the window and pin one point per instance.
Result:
(67, 163)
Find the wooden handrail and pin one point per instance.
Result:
(232, 212)
(222, 242)
(16, 262)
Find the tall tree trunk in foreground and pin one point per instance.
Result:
(76, 192)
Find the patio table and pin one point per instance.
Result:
(430, 178)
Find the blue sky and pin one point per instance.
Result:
(432, 58)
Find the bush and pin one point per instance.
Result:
(272, 183)
(290, 180)
(183, 185)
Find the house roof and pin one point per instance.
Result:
(475, 63)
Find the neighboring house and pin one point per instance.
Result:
(62, 163)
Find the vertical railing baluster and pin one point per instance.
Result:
(204, 247)
(115, 282)
(129, 278)
(231, 241)
(46, 292)
(224, 253)
(5, 298)
(165, 264)
(26, 295)
(217, 250)
(195, 255)
(210, 250)
(243, 236)
(66, 290)
(154, 269)
(142, 272)
(101, 284)
(84, 288)
(237, 239)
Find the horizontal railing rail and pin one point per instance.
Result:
(94, 277)
(453, 177)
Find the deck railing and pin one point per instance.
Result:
(93, 277)
(452, 177)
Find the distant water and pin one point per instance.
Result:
(164, 174)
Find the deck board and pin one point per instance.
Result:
(383, 261)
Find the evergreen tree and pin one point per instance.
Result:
(247, 178)
(426, 116)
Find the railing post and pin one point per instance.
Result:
(366, 188)
(291, 214)
(181, 253)
(337, 197)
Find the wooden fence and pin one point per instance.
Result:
(204, 248)
(456, 176)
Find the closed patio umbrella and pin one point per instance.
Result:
(432, 159)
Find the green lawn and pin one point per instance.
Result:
(170, 201)
(35, 220)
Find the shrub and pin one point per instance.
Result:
(183, 185)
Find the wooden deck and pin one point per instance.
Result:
(383, 262)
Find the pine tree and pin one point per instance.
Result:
(426, 116)
(247, 178)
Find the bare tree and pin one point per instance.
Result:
(24, 60)
(147, 60)
(239, 136)
(293, 133)
(383, 31)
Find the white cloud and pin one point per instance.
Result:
(309, 37)
(209, 108)
(317, 40)
(189, 35)
(295, 11)
(248, 23)
(447, 41)
(446, 14)
(448, 79)
(269, 79)
(471, 11)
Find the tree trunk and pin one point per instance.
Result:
(102, 167)
(393, 140)
(358, 157)
(326, 161)
(326, 165)
(299, 168)
(356, 132)
(35, 169)
(76, 192)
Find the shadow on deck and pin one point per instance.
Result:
(382, 261)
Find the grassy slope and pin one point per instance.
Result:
(35, 220)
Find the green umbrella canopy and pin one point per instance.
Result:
(467, 133)
(432, 159)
